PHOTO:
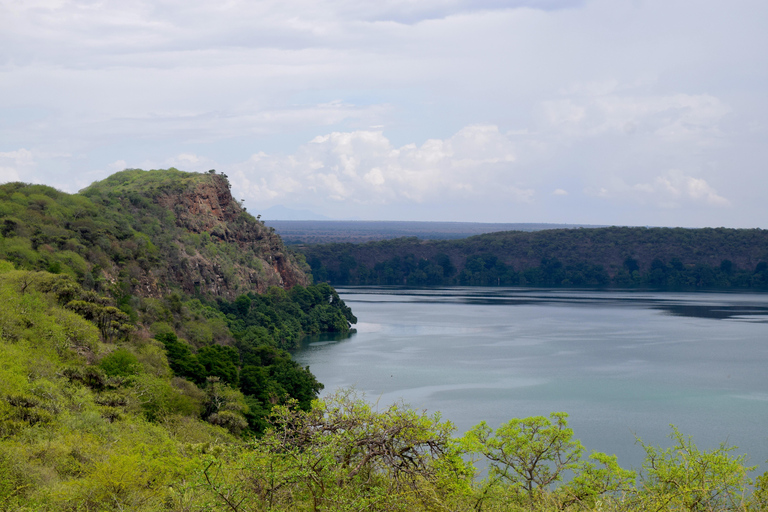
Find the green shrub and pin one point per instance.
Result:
(120, 363)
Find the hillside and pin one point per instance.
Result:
(170, 260)
(149, 232)
(559, 257)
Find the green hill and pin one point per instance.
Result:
(616, 256)
(147, 233)
(169, 260)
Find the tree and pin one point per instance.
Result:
(683, 477)
(121, 363)
(530, 455)
(340, 455)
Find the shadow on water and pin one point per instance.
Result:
(328, 338)
(685, 304)
(757, 314)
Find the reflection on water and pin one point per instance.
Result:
(619, 362)
(326, 338)
(717, 305)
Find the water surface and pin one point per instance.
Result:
(621, 363)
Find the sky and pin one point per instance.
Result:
(618, 112)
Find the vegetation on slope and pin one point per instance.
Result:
(659, 257)
(145, 233)
(172, 256)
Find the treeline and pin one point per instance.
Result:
(626, 257)
(359, 231)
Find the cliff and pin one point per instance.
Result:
(210, 244)
(146, 234)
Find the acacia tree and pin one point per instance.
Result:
(683, 477)
(530, 455)
(343, 454)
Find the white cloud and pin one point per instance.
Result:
(8, 174)
(673, 118)
(677, 185)
(589, 94)
(560, 192)
(364, 167)
(671, 190)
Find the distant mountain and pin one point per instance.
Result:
(327, 231)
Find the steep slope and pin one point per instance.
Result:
(168, 260)
(215, 248)
(146, 233)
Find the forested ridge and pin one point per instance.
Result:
(143, 367)
(615, 256)
(170, 260)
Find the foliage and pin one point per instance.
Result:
(340, 455)
(625, 257)
(683, 477)
(531, 453)
(281, 318)
(528, 456)
(120, 363)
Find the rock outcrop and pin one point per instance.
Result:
(210, 245)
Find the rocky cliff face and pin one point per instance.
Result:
(207, 243)
(242, 255)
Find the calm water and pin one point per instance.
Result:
(620, 363)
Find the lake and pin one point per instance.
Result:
(620, 363)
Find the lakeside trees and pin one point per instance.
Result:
(623, 257)
(345, 455)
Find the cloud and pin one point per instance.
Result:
(597, 95)
(677, 185)
(560, 192)
(671, 190)
(364, 167)
(672, 118)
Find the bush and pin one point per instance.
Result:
(120, 363)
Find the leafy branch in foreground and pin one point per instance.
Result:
(345, 455)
